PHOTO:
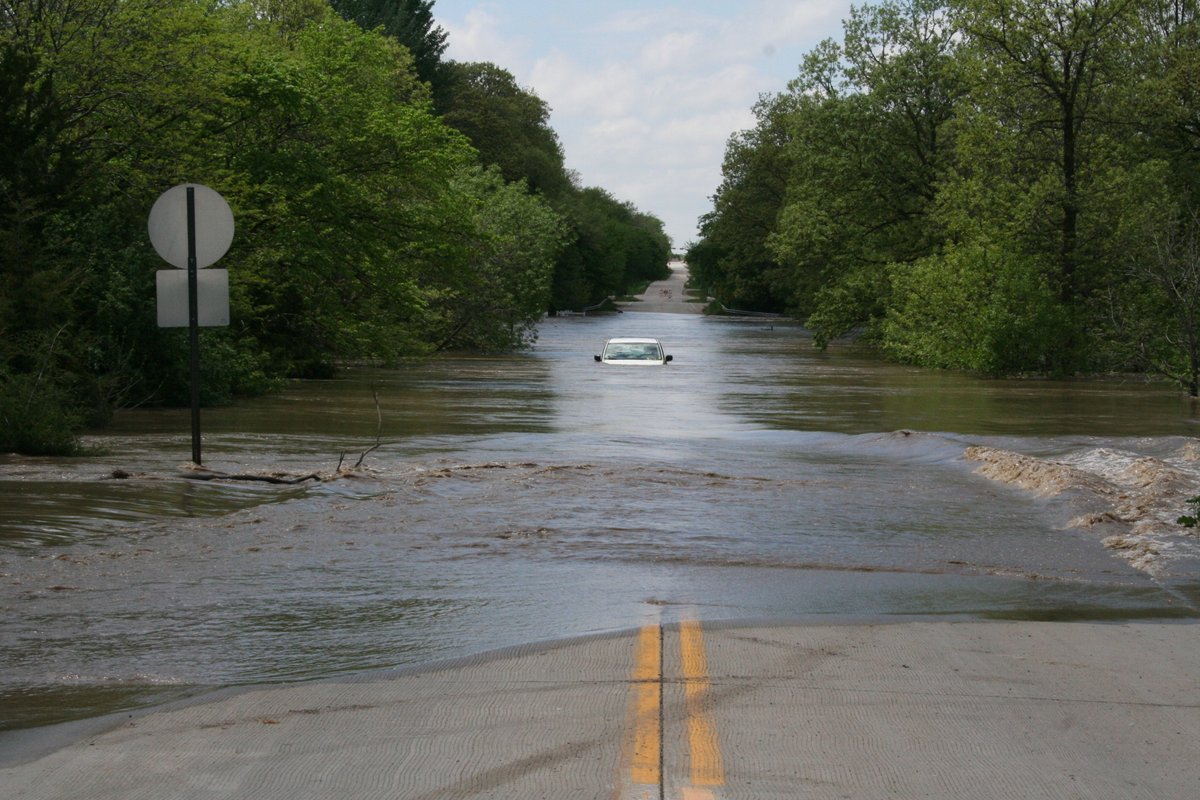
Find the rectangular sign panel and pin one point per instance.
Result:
(212, 287)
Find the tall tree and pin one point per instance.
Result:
(870, 143)
(1151, 193)
(731, 261)
(1047, 64)
(1169, 266)
(509, 126)
(1164, 90)
(501, 287)
(409, 22)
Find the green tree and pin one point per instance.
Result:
(610, 244)
(840, 177)
(499, 286)
(1162, 93)
(997, 185)
(1153, 191)
(410, 22)
(977, 307)
(1170, 267)
(1154, 302)
(318, 133)
(508, 125)
(347, 175)
(610, 247)
(870, 143)
(592, 265)
(1045, 69)
(88, 87)
(648, 249)
(731, 261)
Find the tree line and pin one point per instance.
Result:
(389, 203)
(1002, 186)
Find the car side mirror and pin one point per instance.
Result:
(597, 358)
(669, 358)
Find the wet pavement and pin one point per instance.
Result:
(683, 712)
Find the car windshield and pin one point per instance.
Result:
(633, 351)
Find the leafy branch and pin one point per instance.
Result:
(1191, 520)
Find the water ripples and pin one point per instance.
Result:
(536, 496)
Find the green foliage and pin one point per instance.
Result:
(345, 179)
(996, 185)
(1156, 305)
(509, 126)
(1191, 520)
(366, 228)
(1048, 66)
(851, 305)
(410, 22)
(500, 287)
(974, 307)
(610, 246)
(731, 261)
(840, 175)
(37, 417)
(39, 414)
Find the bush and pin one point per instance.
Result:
(37, 417)
(229, 367)
(976, 307)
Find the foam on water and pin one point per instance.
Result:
(1137, 498)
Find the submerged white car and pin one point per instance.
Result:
(633, 351)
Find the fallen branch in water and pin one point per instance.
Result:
(204, 474)
(222, 476)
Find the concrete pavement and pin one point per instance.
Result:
(689, 712)
(667, 296)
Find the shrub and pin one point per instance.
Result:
(37, 417)
(979, 308)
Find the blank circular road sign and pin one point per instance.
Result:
(168, 225)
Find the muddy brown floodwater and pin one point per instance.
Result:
(539, 496)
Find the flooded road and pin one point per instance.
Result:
(539, 496)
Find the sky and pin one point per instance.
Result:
(644, 95)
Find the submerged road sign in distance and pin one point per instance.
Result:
(191, 226)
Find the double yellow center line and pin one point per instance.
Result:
(648, 713)
(708, 769)
(646, 761)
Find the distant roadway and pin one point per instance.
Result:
(667, 296)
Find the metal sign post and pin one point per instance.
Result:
(193, 322)
(191, 227)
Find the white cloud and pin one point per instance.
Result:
(644, 100)
(574, 88)
(480, 37)
(780, 25)
(640, 21)
(619, 130)
(673, 49)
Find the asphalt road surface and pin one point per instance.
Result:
(683, 712)
(667, 296)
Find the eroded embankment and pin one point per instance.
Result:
(1143, 496)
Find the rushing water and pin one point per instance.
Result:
(540, 495)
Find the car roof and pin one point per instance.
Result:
(633, 340)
